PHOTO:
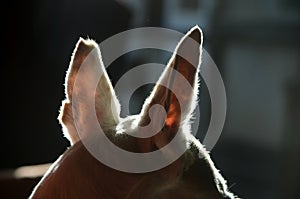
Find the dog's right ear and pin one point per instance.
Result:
(87, 88)
(176, 91)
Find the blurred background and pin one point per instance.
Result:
(255, 44)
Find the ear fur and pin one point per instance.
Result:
(86, 61)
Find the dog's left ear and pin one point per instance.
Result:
(179, 99)
(88, 88)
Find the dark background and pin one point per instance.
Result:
(254, 43)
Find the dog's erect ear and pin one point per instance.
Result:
(178, 96)
(87, 88)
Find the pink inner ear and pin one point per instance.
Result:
(172, 117)
(170, 121)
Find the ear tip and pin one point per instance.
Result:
(196, 34)
(83, 47)
(86, 43)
